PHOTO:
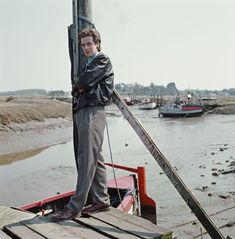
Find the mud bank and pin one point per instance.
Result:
(19, 141)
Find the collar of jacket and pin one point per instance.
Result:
(91, 58)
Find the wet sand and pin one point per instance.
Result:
(30, 124)
(28, 139)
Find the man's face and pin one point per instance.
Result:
(88, 46)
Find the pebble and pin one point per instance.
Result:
(202, 189)
(230, 223)
(210, 194)
(232, 163)
(215, 174)
(213, 183)
(224, 196)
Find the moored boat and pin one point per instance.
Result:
(148, 105)
(181, 110)
(128, 100)
(127, 193)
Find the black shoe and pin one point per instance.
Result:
(62, 215)
(94, 208)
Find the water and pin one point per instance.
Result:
(192, 145)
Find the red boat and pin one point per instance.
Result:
(127, 194)
(184, 110)
(181, 108)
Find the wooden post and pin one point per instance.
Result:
(84, 10)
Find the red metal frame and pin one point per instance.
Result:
(140, 171)
(126, 204)
(47, 200)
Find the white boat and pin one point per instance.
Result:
(148, 105)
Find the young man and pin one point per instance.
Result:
(93, 90)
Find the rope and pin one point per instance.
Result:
(114, 174)
(213, 214)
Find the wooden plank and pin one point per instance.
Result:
(3, 235)
(67, 229)
(132, 224)
(139, 221)
(9, 215)
(21, 231)
(105, 228)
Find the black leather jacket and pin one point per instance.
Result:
(96, 81)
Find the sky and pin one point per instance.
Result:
(189, 42)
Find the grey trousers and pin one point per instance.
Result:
(89, 125)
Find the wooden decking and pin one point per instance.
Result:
(103, 225)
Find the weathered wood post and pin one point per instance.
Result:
(82, 15)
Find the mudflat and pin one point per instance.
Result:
(29, 124)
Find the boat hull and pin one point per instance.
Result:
(148, 106)
(181, 111)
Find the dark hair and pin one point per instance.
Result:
(91, 32)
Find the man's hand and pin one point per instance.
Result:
(74, 91)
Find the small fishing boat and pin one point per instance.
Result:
(127, 193)
(147, 105)
(181, 108)
(128, 100)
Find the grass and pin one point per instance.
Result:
(22, 110)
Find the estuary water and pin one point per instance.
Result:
(196, 147)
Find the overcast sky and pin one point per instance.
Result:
(189, 42)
